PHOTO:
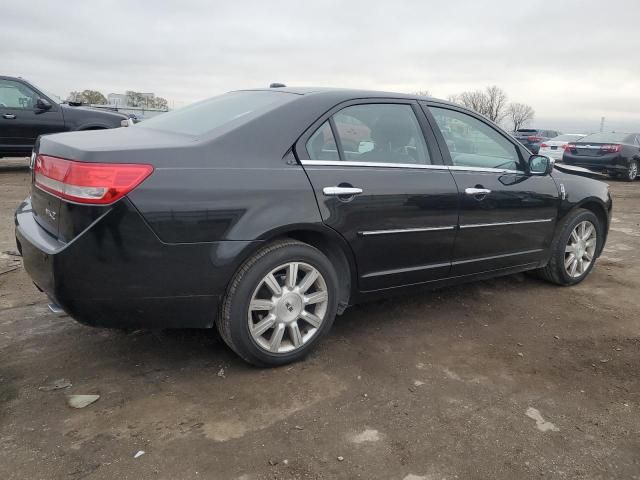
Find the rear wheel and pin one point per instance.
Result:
(574, 249)
(280, 304)
(632, 171)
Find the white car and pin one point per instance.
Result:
(554, 147)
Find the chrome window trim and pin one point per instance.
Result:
(501, 224)
(405, 230)
(460, 168)
(339, 163)
(457, 168)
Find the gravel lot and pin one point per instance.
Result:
(504, 379)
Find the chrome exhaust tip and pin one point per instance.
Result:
(55, 308)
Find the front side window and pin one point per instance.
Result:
(473, 143)
(17, 95)
(381, 133)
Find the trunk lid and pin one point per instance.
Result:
(589, 149)
(65, 219)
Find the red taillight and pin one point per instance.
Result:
(95, 183)
(543, 145)
(570, 146)
(611, 148)
(534, 139)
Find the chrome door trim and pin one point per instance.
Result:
(406, 270)
(502, 224)
(494, 257)
(338, 163)
(405, 230)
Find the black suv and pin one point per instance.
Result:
(533, 137)
(27, 112)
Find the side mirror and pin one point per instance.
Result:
(42, 104)
(540, 165)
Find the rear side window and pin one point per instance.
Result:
(322, 145)
(381, 133)
(231, 109)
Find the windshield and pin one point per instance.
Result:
(567, 137)
(605, 137)
(50, 95)
(207, 115)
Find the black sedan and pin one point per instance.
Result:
(617, 154)
(249, 212)
(26, 112)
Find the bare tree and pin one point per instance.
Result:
(422, 93)
(92, 97)
(520, 114)
(475, 100)
(454, 98)
(496, 103)
(490, 102)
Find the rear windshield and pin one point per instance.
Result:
(567, 137)
(526, 130)
(605, 137)
(207, 115)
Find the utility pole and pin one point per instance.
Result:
(602, 124)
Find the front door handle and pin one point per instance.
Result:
(341, 191)
(9, 116)
(477, 191)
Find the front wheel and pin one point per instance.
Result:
(632, 171)
(574, 249)
(280, 304)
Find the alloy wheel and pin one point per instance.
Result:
(580, 250)
(633, 171)
(288, 307)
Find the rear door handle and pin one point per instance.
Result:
(341, 191)
(477, 191)
(9, 116)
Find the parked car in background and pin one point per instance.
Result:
(27, 111)
(554, 147)
(533, 137)
(250, 212)
(616, 154)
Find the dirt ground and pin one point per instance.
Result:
(505, 379)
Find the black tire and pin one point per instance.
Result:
(632, 171)
(554, 271)
(232, 322)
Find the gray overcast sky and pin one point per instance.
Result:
(573, 61)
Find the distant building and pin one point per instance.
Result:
(121, 99)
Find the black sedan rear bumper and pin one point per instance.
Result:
(117, 273)
(613, 163)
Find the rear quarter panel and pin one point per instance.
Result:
(187, 205)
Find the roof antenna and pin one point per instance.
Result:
(277, 85)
